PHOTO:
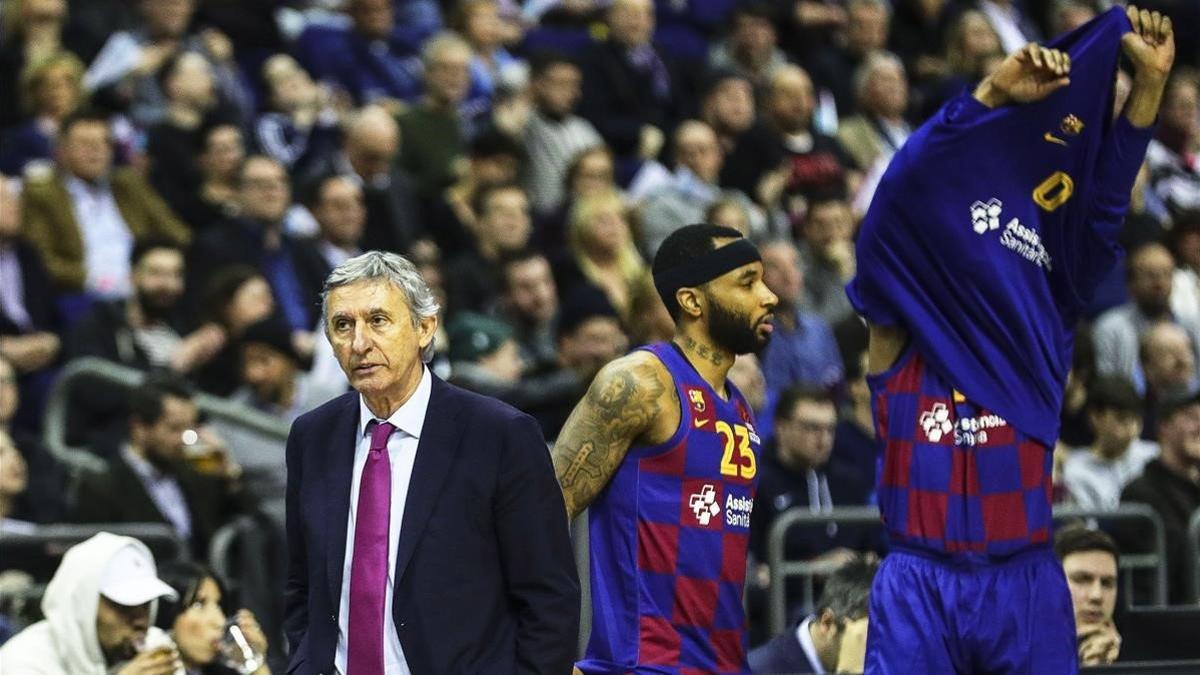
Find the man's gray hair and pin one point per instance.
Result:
(390, 268)
(866, 71)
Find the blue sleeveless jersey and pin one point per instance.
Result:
(669, 536)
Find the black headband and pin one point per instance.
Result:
(705, 268)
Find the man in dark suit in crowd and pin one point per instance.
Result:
(631, 92)
(426, 530)
(367, 156)
(27, 320)
(797, 473)
(151, 479)
(1171, 486)
(258, 237)
(28, 323)
(832, 638)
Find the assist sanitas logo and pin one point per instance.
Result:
(704, 504)
(1022, 240)
(937, 423)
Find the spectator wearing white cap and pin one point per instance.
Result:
(99, 608)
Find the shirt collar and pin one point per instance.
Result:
(689, 183)
(806, 644)
(141, 466)
(409, 417)
(77, 186)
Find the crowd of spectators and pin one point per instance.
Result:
(177, 178)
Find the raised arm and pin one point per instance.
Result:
(1029, 74)
(1089, 254)
(1151, 48)
(631, 398)
(1034, 72)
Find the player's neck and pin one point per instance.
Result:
(712, 362)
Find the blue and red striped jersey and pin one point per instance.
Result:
(955, 478)
(668, 540)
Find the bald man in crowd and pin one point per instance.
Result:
(810, 162)
(691, 189)
(1167, 358)
(1150, 269)
(368, 155)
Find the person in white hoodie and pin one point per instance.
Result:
(99, 608)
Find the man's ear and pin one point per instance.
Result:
(828, 621)
(426, 330)
(690, 302)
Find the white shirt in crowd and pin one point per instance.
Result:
(107, 241)
(1095, 483)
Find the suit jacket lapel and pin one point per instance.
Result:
(137, 498)
(436, 450)
(64, 209)
(338, 450)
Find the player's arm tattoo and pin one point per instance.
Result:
(623, 401)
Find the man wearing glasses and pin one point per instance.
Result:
(797, 473)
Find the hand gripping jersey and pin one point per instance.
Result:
(992, 227)
(986, 238)
(668, 540)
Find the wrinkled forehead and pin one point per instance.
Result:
(366, 296)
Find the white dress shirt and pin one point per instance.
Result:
(164, 491)
(12, 290)
(402, 451)
(107, 241)
(806, 644)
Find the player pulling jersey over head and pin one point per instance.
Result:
(664, 450)
(985, 240)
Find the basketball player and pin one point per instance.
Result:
(980, 252)
(664, 450)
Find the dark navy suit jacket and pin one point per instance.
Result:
(781, 656)
(485, 579)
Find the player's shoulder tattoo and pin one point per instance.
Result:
(630, 387)
(624, 400)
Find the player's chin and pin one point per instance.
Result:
(762, 332)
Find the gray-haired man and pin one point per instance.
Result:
(426, 530)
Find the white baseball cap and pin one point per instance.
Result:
(131, 579)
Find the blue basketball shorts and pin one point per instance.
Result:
(938, 615)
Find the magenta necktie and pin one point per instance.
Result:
(369, 569)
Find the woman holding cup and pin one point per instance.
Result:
(209, 641)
